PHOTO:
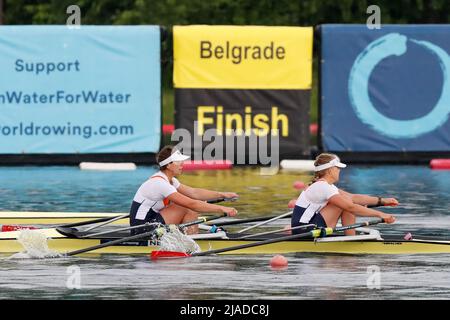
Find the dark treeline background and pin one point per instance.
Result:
(226, 12)
(237, 12)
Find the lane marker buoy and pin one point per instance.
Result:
(440, 164)
(278, 261)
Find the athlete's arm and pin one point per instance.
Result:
(366, 200)
(199, 206)
(346, 204)
(204, 194)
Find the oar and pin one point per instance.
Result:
(287, 214)
(217, 200)
(84, 223)
(158, 231)
(100, 221)
(257, 219)
(124, 216)
(66, 225)
(241, 221)
(320, 232)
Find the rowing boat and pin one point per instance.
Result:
(370, 242)
(52, 218)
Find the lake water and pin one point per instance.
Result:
(425, 209)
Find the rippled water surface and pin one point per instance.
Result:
(424, 210)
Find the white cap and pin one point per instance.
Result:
(336, 162)
(176, 156)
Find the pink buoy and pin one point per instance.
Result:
(313, 128)
(278, 261)
(168, 128)
(299, 185)
(408, 236)
(440, 164)
(207, 165)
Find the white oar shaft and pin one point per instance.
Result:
(107, 222)
(265, 222)
(91, 235)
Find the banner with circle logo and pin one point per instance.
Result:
(385, 90)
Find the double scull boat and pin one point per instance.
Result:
(369, 241)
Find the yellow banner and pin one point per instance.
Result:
(242, 57)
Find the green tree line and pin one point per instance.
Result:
(222, 12)
(236, 12)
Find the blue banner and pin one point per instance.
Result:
(385, 90)
(96, 89)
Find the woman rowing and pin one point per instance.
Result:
(322, 203)
(163, 199)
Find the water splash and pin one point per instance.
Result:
(35, 244)
(175, 240)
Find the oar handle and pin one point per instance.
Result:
(380, 205)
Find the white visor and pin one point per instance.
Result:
(333, 163)
(176, 156)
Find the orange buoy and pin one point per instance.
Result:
(299, 185)
(442, 164)
(278, 261)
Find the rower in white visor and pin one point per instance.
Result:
(323, 204)
(163, 199)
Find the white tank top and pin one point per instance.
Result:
(153, 193)
(314, 198)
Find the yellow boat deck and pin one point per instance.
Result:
(60, 243)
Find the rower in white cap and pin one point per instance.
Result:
(323, 204)
(163, 199)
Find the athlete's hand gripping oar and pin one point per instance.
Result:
(320, 232)
(142, 235)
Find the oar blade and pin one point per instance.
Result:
(161, 254)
